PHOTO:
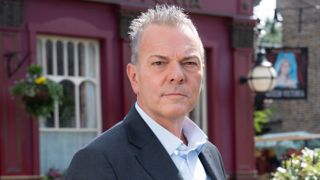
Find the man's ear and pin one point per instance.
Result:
(133, 77)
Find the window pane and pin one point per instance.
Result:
(58, 148)
(67, 108)
(49, 57)
(70, 59)
(49, 121)
(88, 102)
(39, 52)
(81, 55)
(91, 61)
(60, 58)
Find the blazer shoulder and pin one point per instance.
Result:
(90, 163)
(109, 139)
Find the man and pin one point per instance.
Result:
(156, 140)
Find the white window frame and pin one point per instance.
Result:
(200, 111)
(76, 79)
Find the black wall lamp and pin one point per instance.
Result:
(261, 79)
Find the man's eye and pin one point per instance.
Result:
(191, 63)
(158, 63)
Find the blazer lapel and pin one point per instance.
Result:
(149, 151)
(157, 162)
(209, 163)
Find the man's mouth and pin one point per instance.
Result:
(174, 94)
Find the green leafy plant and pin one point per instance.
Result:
(38, 93)
(303, 166)
(271, 33)
(261, 118)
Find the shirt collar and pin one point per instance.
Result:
(195, 136)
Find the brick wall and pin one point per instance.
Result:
(301, 28)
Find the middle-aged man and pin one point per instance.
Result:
(156, 140)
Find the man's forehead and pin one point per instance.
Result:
(173, 35)
(170, 50)
(181, 27)
(168, 38)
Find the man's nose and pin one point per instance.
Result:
(176, 74)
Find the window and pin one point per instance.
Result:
(199, 114)
(74, 63)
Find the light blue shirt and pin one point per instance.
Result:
(185, 157)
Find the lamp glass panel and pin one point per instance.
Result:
(262, 78)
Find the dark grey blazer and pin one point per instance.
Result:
(131, 151)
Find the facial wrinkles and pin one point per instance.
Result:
(175, 90)
(180, 49)
(177, 79)
(177, 51)
(177, 76)
(191, 45)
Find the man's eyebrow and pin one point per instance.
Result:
(182, 59)
(191, 57)
(159, 56)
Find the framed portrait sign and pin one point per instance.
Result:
(291, 67)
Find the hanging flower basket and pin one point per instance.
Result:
(38, 93)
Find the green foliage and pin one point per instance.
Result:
(303, 166)
(272, 33)
(260, 119)
(38, 93)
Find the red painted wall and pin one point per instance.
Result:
(17, 147)
(19, 134)
(227, 8)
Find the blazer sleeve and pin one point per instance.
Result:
(90, 164)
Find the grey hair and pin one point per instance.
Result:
(160, 15)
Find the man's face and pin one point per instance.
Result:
(168, 75)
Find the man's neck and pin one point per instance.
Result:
(172, 125)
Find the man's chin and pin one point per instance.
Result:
(176, 112)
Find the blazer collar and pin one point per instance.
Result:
(149, 151)
(209, 162)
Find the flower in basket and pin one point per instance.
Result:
(37, 92)
(303, 166)
(53, 174)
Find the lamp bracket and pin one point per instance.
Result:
(9, 57)
(243, 79)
